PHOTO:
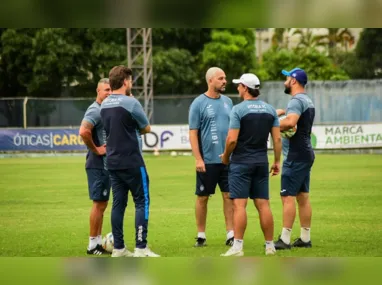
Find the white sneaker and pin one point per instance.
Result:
(270, 251)
(144, 252)
(121, 253)
(233, 252)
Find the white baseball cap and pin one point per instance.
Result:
(248, 79)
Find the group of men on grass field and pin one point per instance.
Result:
(229, 144)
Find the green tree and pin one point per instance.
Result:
(338, 36)
(174, 72)
(369, 55)
(45, 62)
(278, 40)
(191, 39)
(308, 39)
(233, 52)
(317, 65)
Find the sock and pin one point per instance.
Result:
(269, 244)
(305, 234)
(202, 235)
(238, 243)
(285, 235)
(92, 243)
(99, 239)
(229, 234)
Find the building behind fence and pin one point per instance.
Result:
(336, 102)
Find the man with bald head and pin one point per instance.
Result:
(208, 123)
(93, 135)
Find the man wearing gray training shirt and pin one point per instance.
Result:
(295, 177)
(208, 123)
(92, 133)
(251, 122)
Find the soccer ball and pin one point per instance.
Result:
(173, 153)
(108, 242)
(288, 133)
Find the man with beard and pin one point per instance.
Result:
(208, 123)
(251, 123)
(121, 116)
(295, 178)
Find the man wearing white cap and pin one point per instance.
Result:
(251, 122)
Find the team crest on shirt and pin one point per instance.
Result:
(225, 105)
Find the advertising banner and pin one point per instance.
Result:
(175, 137)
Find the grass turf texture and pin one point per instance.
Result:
(45, 209)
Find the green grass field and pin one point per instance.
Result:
(45, 208)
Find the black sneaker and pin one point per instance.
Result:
(229, 242)
(200, 242)
(98, 250)
(280, 244)
(299, 243)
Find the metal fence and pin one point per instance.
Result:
(335, 101)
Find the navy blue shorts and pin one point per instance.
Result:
(248, 181)
(98, 184)
(206, 182)
(295, 177)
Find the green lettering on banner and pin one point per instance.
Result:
(348, 135)
(337, 140)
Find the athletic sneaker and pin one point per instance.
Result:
(121, 253)
(233, 251)
(229, 241)
(270, 251)
(200, 242)
(144, 252)
(299, 243)
(98, 250)
(280, 244)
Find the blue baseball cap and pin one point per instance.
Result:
(297, 73)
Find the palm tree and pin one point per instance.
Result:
(337, 36)
(308, 39)
(278, 38)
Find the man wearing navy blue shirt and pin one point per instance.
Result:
(93, 135)
(208, 123)
(298, 160)
(251, 122)
(124, 120)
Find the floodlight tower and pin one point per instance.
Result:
(139, 59)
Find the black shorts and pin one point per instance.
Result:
(248, 181)
(98, 184)
(295, 177)
(215, 174)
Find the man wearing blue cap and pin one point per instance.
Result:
(298, 160)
